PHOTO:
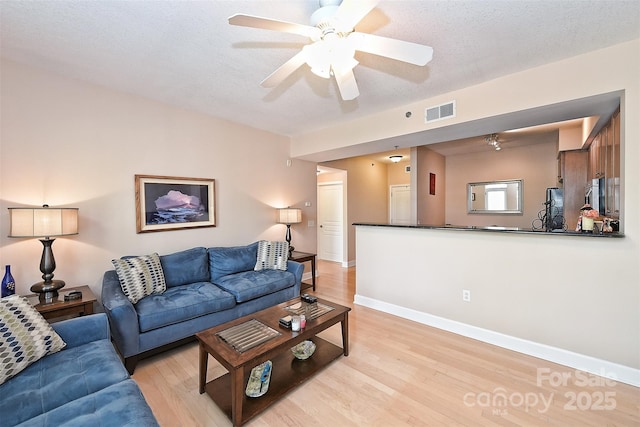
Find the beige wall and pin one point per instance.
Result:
(431, 207)
(367, 195)
(396, 174)
(535, 164)
(361, 177)
(541, 292)
(67, 143)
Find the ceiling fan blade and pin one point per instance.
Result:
(350, 12)
(413, 53)
(347, 84)
(284, 71)
(274, 25)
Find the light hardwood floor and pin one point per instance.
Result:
(401, 373)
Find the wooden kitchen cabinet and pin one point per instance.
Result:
(604, 163)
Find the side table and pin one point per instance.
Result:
(59, 309)
(304, 257)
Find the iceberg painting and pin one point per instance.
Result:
(177, 207)
(166, 203)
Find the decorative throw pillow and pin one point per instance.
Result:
(25, 336)
(140, 276)
(272, 255)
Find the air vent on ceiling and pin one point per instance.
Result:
(439, 112)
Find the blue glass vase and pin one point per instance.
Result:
(8, 284)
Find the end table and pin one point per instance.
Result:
(303, 257)
(59, 309)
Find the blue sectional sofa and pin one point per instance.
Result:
(204, 288)
(84, 384)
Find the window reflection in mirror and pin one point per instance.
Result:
(495, 197)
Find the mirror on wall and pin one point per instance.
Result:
(495, 197)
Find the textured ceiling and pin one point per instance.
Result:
(185, 53)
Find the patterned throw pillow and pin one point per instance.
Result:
(272, 255)
(25, 336)
(140, 276)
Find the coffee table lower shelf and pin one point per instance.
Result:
(287, 373)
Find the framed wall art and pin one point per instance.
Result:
(172, 203)
(432, 184)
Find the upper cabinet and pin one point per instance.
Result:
(604, 165)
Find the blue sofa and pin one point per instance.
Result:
(84, 384)
(205, 287)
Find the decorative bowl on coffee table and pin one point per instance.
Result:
(304, 350)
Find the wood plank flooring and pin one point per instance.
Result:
(401, 373)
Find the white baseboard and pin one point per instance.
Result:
(577, 361)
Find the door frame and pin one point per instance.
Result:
(345, 235)
(391, 188)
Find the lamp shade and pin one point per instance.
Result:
(289, 216)
(43, 222)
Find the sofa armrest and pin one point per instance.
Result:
(82, 330)
(297, 269)
(122, 315)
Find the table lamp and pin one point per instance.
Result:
(289, 216)
(44, 222)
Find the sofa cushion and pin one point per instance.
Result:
(119, 405)
(181, 303)
(140, 276)
(60, 378)
(272, 255)
(184, 267)
(229, 260)
(25, 336)
(249, 285)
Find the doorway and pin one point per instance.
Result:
(330, 221)
(400, 204)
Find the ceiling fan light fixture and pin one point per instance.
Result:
(316, 58)
(332, 52)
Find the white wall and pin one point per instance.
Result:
(549, 296)
(67, 143)
(574, 293)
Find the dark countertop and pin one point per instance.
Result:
(491, 229)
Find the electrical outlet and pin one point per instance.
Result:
(466, 295)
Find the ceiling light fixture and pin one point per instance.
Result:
(395, 159)
(492, 140)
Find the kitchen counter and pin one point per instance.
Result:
(492, 229)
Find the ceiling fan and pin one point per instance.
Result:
(334, 43)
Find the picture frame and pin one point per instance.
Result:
(432, 184)
(166, 203)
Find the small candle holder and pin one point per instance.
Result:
(295, 323)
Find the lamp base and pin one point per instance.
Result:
(48, 290)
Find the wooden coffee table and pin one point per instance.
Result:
(287, 372)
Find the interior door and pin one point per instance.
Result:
(400, 204)
(330, 222)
